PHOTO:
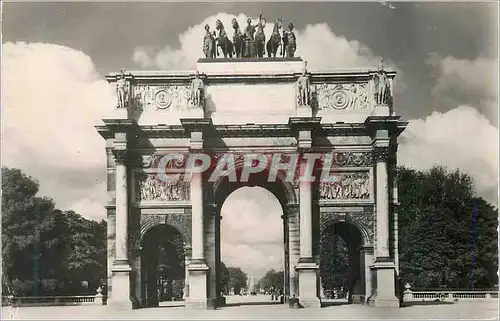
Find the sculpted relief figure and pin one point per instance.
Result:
(382, 88)
(303, 89)
(122, 90)
(209, 43)
(197, 91)
(350, 186)
(154, 189)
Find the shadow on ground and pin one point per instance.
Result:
(417, 303)
(239, 304)
(326, 304)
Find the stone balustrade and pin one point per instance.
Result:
(26, 301)
(449, 295)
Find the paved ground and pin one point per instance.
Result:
(260, 307)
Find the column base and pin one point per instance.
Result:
(198, 283)
(120, 296)
(307, 271)
(384, 295)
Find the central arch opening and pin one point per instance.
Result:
(252, 247)
(341, 265)
(163, 266)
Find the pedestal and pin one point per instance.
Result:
(304, 111)
(381, 110)
(384, 295)
(120, 295)
(198, 284)
(308, 293)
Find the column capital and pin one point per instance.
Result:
(121, 156)
(380, 153)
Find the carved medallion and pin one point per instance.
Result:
(352, 96)
(339, 99)
(162, 99)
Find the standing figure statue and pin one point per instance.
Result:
(275, 40)
(289, 41)
(250, 50)
(260, 37)
(382, 85)
(238, 39)
(303, 89)
(122, 90)
(197, 91)
(223, 41)
(208, 44)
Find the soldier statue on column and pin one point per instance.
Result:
(197, 91)
(122, 90)
(304, 88)
(382, 85)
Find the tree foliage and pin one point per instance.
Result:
(447, 236)
(46, 250)
(238, 279)
(272, 279)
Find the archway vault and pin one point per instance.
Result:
(285, 191)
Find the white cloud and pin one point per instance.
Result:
(478, 76)
(466, 82)
(317, 44)
(461, 138)
(51, 99)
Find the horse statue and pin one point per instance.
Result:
(275, 40)
(260, 37)
(238, 39)
(223, 41)
(209, 43)
(289, 41)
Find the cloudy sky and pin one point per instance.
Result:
(55, 57)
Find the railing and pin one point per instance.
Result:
(98, 299)
(450, 295)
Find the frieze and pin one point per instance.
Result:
(351, 159)
(154, 160)
(147, 97)
(352, 96)
(152, 188)
(345, 186)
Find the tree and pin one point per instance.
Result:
(46, 250)
(446, 235)
(238, 279)
(272, 279)
(225, 279)
(26, 239)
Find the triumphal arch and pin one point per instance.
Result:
(179, 142)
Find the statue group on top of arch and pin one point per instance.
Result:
(251, 42)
